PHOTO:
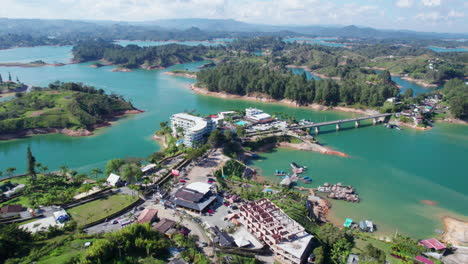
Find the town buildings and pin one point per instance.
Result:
(257, 116)
(286, 238)
(192, 128)
(196, 196)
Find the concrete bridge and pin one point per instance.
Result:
(375, 118)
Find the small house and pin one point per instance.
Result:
(424, 260)
(11, 210)
(147, 216)
(164, 226)
(433, 245)
(148, 169)
(114, 180)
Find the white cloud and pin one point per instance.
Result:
(454, 13)
(404, 3)
(431, 2)
(429, 17)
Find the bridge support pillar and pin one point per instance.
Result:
(317, 130)
(375, 120)
(338, 126)
(356, 124)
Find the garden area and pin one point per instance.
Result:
(100, 209)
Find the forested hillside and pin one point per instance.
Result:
(249, 78)
(133, 56)
(61, 105)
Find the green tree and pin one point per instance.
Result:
(373, 255)
(408, 93)
(216, 138)
(131, 173)
(95, 172)
(319, 255)
(1, 80)
(113, 166)
(10, 171)
(340, 251)
(64, 170)
(31, 164)
(9, 76)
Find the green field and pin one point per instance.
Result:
(100, 209)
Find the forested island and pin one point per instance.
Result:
(133, 56)
(363, 88)
(69, 108)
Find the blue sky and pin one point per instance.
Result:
(421, 15)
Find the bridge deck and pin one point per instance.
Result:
(344, 120)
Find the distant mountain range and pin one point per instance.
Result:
(210, 26)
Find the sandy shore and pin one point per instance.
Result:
(411, 125)
(283, 102)
(312, 147)
(186, 75)
(67, 131)
(456, 231)
(419, 82)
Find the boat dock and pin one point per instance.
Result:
(340, 192)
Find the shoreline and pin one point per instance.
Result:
(69, 132)
(315, 73)
(161, 140)
(406, 78)
(314, 147)
(286, 102)
(456, 231)
(186, 75)
(452, 121)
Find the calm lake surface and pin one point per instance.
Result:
(393, 171)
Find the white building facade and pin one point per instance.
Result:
(193, 128)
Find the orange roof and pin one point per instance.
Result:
(147, 215)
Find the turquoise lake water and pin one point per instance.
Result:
(439, 49)
(393, 171)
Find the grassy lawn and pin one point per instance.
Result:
(18, 200)
(100, 208)
(65, 252)
(385, 246)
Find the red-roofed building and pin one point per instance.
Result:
(147, 216)
(421, 259)
(433, 243)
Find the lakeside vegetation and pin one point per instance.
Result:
(249, 78)
(133, 56)
(10, 86)
(60, 105)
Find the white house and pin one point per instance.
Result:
(114, 180)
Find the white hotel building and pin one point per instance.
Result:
(194, 127)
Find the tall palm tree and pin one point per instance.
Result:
(10, 171)
(64, 169)
(96, 172)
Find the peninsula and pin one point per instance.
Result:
(67, 108)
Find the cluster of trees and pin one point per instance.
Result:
(456, 94)
(250, 78)
(26, 40)
(128, 169)
(258, 43)
(134, 240)
(133, 56)
(85, 106)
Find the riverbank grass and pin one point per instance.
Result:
(101, 208)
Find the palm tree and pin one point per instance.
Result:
(44, 169)
(64, 169)
(10, 171)
(96, 172)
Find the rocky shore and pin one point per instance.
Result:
(186, 75)
(66, 131)
(261, 98)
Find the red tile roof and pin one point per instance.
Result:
(424, 260)
(433, 243)
(147, 215)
